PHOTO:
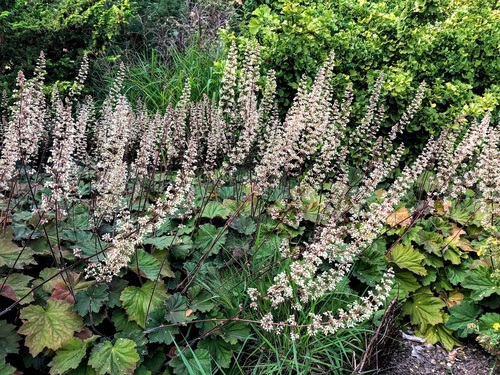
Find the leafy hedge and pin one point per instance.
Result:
(64, 30)
(450, 44)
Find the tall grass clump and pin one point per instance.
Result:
(216, 237)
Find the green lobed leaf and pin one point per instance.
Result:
(244, 225)
(489, 321)
(49, 328)
(439, 333)
(154, 362)
(8, 339)
(210, 238)
(234, 332)
(162, 243)
(123, 323)
(17, 287)
(371, 262)
(191, 362)
(481, 283)
(177, 310)
(266, 247)
(140, 340)
(162, 256)
(460, 214)
(424, 309)
(138, 301)
(433, 261)
(149, 266)
(411, 235)
(120, 358)
(431, 241)
(12, 255)
(69, 356)
(406, 282)
(461, 316)
(215, 209)
(220, 350)
(200, 299)
(407, 257)
(6, 368)
(430, 277)
(83, 369)
(456, 274)
(116, 287)
(91, 300)
(453, 255)
(164, 335)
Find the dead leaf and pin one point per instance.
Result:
(85, 333)
(62, 293)
(189, 312)
(8, 292)
(401, 217)
(453, 298)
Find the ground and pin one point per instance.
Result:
(410, 356)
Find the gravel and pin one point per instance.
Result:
(412, 356)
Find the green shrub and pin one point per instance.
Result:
(452, 45)
(63, 29)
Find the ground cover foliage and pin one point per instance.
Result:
(216, 237)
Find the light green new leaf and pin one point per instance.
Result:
(409, 258)
(8, 339)
(192, 363)
(439, 333)
(5, 368)
(69, 356)
(215, 209)
(137, 301)
(162, 256)
(481, 283)
(149, 266)
(208, 237)
(9, 253)
(406, 282)
(461, 316)
(453, 255)
(161, 243)
(120, 358)
(49, 328)
(424, 308)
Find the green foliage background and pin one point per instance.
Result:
(63, 29)
(451, 44)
